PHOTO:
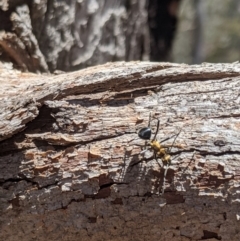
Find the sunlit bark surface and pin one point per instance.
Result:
(71, 166)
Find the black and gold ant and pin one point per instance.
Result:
(160, 151)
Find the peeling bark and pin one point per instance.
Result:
(69, 153)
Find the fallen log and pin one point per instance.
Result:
(72, 165)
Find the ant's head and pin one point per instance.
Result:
(145, 133)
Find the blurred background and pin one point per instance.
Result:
(207, 31)
(50, 35)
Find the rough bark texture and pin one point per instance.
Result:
(42, 36)
(69, 144)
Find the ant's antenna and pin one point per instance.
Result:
(149, 121)
(154, 138)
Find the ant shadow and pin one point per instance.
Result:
(148, 173)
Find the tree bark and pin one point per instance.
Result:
(43, 36)
(71, 166)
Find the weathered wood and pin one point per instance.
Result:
(69, 143)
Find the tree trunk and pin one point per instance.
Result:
(71, 166)
(42, 36)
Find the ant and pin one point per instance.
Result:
(159, 150)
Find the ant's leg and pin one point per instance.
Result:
(135, 163)
(168, 138)
(164, 179)
(165, 174)
(155, 157)
(166, 169)
(175, 139)
(144, 149)
(142, 160)
(176, 135)
(189, 162)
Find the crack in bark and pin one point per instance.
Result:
(224, 116)
(16, 180)
(28, 180)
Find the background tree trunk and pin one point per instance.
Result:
(68, 35)
(42, 36)
(207, 32)
(69, 145)
(162, 20)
